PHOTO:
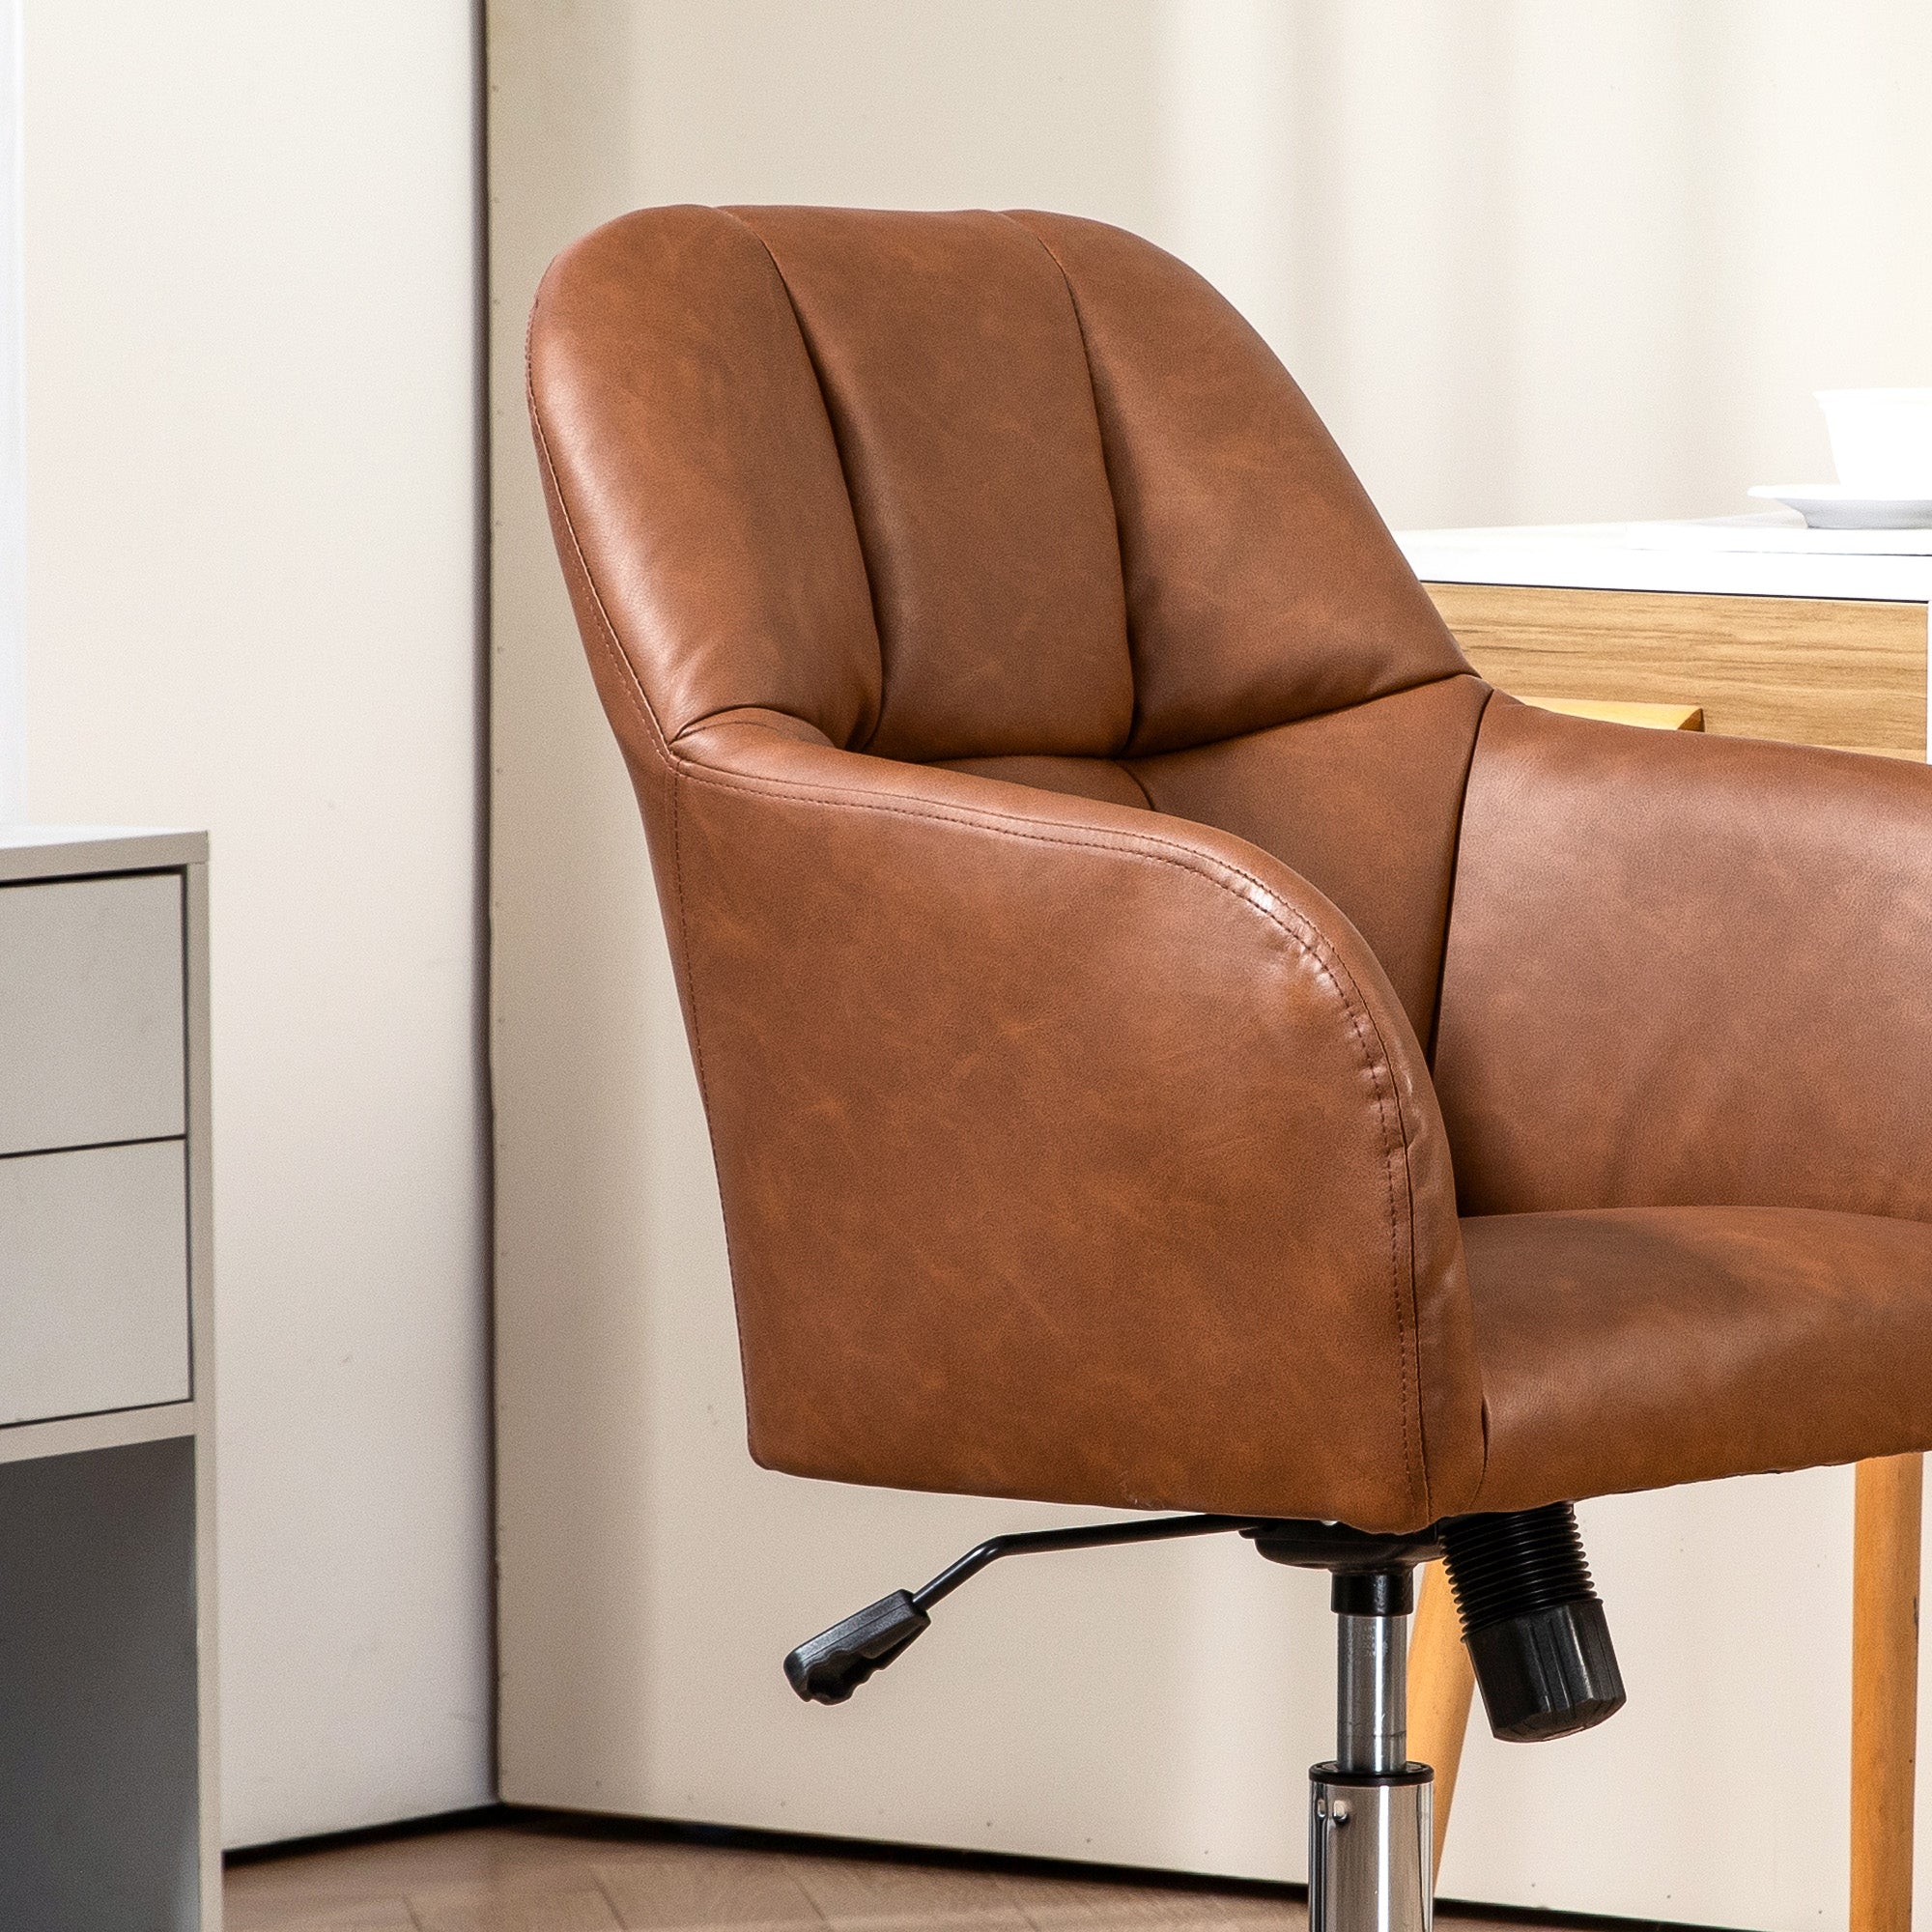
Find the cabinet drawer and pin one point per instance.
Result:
(94, 1280)
(91, 1011)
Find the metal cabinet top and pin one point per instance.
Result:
(70, 851)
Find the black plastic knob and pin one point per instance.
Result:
(1533, 1622)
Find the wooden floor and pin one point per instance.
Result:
(542, 1876)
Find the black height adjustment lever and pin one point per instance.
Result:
(829, 1667)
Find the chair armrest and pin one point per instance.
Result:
(1687, 971)
(1067, 1151)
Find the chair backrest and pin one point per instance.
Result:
(1016, 494)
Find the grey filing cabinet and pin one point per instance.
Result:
(108, 1792)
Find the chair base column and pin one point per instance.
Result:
(1370, 1841)
(1370, 1835)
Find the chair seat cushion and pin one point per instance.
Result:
(1634, 1348)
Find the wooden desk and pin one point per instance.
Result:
(1813, 645)
(1832, 671)
(1811, 641)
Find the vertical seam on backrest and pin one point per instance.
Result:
(1107, 471)
(1436, 1021)
(845, 467)
(1449, 897)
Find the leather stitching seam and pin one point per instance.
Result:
(1106, 469)
(1436, 1024)
(844, 472)
(1135, 780)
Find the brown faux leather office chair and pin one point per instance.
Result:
(1173, 1038)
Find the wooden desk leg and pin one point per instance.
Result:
(1441, 1685)
(1885, 1690)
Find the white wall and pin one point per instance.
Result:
(1539, 261)
(252, 606)
(1535, 261)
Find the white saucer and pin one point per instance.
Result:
(1838, 507)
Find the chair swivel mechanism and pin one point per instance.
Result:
(1173, 1038)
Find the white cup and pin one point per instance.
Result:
(1881, 439)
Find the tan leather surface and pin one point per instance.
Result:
(1640, 1347)
(1261, 585)
(681, 417)
(951, 364)
(1687, 971)
(1363, 802)
(1067, 1151)
(1084, 778)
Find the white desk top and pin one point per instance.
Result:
(1738, 556)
